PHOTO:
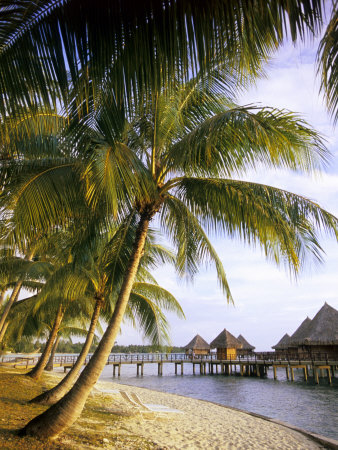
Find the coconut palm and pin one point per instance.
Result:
(29, 136)
(96, 282)
(186, 145)
(27, 272)
(38, 369)
(46, 47)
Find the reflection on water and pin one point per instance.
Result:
(306, 405)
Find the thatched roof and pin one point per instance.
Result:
(283, 343)
(245, 343)
(225, 340)
(322, 330)
(300, 333)
(198, 343)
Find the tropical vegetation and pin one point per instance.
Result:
(123, 114)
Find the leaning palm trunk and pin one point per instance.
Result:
(56, 393)
(14, 296)
(36, 372)
(9, 304)
(50, 365)
(2, 296)
(64, 413)
(3, 331)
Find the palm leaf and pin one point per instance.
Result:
(243, 138)
(327, 59)
(193, 245)
(145, 44)
(283, 223)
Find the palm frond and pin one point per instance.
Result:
(284, 224)
(45, 201)
(243, 138)
(157, 294)
(194, 247)
(145, 44)
(150, 319)
(327, 60)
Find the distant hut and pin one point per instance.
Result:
(197, 346)
(283, 344)
(321, 334)
(247, 349)
(226, 345)
(299, 335)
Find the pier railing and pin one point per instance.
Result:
(134, 358)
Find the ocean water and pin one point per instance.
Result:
(304, 404)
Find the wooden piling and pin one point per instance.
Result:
(118, 366)
(138, 366)
(274, 372)
(315, 374)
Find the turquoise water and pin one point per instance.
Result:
(304, 404)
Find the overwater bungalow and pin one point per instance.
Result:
(247, 349)
(197, 346)
(282, 345)
(298, 335)
(226, 345)
(320, 335)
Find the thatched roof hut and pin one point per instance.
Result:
(321, 330)
(225, 340)
(245, 344)
(226, 345)
(300, 333)
(283, 344)
(198, 345)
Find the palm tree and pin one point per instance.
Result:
(27, 272)
(95, 283)
(38, 369)
(185, 146)
(32, 134)
(47, 47)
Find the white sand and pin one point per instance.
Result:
(202, 425)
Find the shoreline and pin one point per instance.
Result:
(328, 442)
(218, 426)
(111, 421)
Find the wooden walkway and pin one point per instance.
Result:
(256, 365)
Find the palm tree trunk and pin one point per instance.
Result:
(36, 372)
(64, 413)
(3, 331)
(56, 393)
(8, 306)
(50, 365)
(2, 296)
(13, 298)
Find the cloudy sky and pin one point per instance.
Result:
(268, 303)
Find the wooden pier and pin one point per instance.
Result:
(257, 365)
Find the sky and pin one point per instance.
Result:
(267, 302)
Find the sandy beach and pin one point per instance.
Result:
(201, 424)
(111, 421)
